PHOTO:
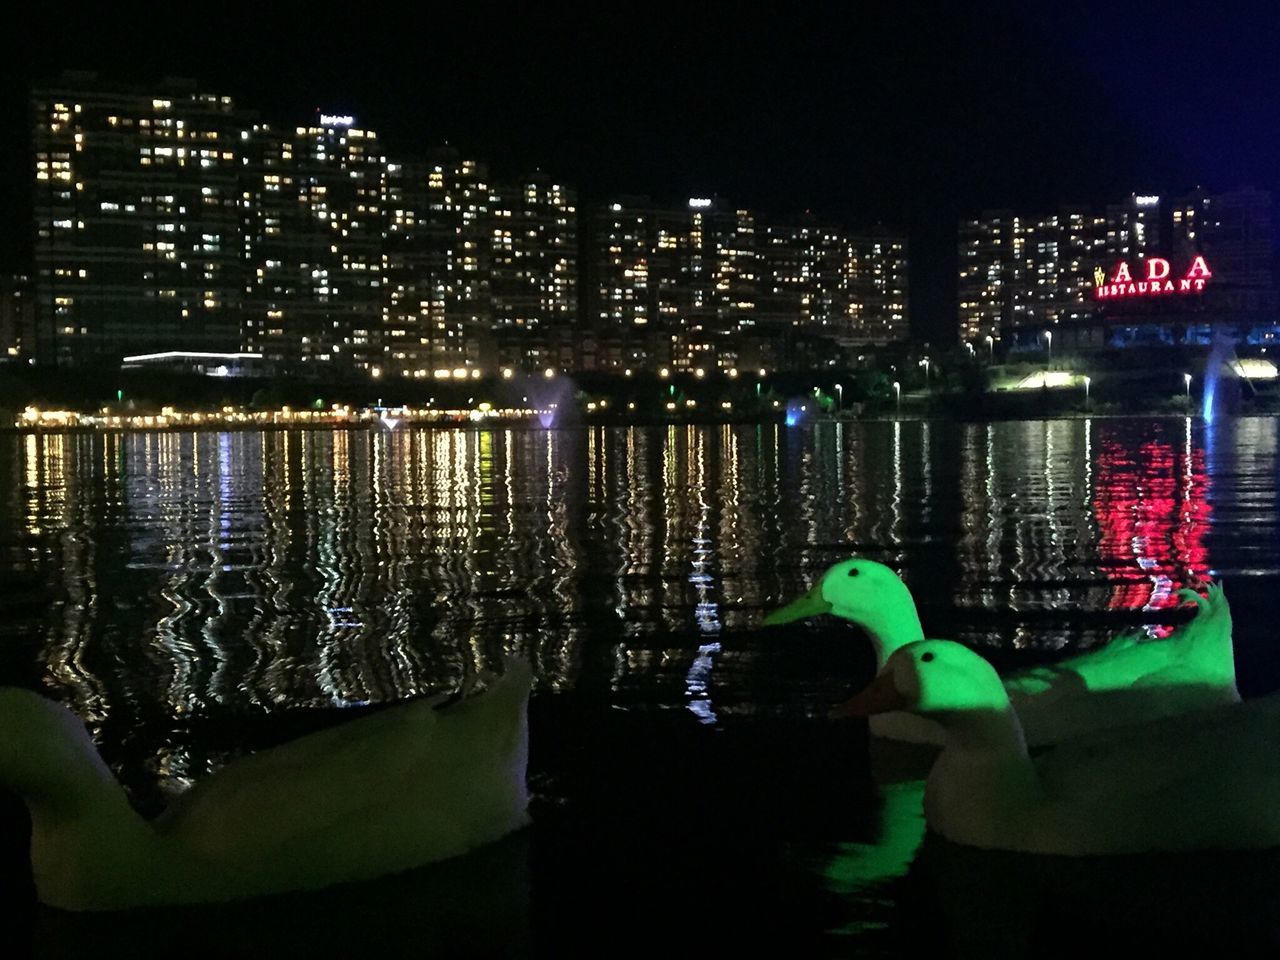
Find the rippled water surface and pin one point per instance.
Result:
(193, 596)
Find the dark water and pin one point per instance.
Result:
(196, 595)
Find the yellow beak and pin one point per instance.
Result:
(810, 604)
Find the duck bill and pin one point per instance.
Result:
(810, 604)
(881, 696)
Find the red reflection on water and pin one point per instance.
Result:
(1153, 513)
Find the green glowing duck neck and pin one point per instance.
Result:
(889, 625)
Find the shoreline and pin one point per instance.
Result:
(470, 423)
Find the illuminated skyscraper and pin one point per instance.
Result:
(136, 220)
(875, 299)
(985, 256)
(1133, 227)
(17, 319)
(414, 344)
(1233, 231)
(534, 254)
(1022, 277)
(820, 281)
(313, 246)
(716, 304)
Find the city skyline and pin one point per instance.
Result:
(912, 121)
(170, 217)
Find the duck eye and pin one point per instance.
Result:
(853, 571)
(926, 657)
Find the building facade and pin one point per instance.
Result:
(313, 246)
(1146, 270)
(17, 319)
(708, 286)
(533, 256)
(170, 221)
(137, 209)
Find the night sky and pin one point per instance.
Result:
(909, 119)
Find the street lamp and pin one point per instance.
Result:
(1186, 382)
(839, 397)
(897, 392)
(1087, 381)
(968, 345)
(1048, 339)
(991, 348)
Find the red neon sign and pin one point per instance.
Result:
(1156, 282)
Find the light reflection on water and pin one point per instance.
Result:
(186, 578)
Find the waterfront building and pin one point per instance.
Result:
(313, 246)
(1234, 231)
(822, 282)
(459, 231)
(875, 304)
(1144, 271)
(722, 290)
(17, 319)
(985, 257)
(137, 213)
(641, 258)
(170, 222)
(415, 338)
(806, 269)
(533, 256)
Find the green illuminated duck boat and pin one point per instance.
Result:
(1132, 679)
(1199, 781)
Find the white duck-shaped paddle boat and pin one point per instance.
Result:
(1142, 678)
(1203, 781)
(400, 788)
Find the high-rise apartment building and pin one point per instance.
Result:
(17, 319)
(711, 284)
(137, 212)
(819, 281)
(1021, 278)
(168, 219)
(985, 257)
(876, 300)
(1233, 231)
(533, 254)
(313, 246)
(805, 270)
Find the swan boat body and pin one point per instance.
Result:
(397, 789)
(1201, 781)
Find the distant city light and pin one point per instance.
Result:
(1047, 378)
(190, 355)
(1255, 368)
